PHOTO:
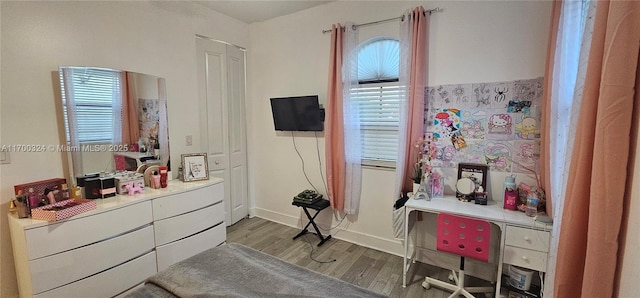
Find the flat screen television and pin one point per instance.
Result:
(299, 113)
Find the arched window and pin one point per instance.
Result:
(379, 61)
(378, 95)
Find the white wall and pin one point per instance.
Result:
(470, 42)
(148, 37)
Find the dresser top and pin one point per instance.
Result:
(120, 201)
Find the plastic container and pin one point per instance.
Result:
(520, 278)
(532, 203)
(510, 193)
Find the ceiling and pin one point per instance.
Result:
(258, 11)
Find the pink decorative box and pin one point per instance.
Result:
(63, 209)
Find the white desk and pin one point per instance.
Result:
(522, 248)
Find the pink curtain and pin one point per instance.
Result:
(595, 197)
(545, 154)
(416, 80)
(334, 124)
(130, 126)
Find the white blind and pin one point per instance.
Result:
(94, 91)
(379, 116)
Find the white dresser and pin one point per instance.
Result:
(107, 251)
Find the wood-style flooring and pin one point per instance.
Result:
(369, 268)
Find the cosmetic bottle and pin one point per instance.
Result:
(163, 176)
(76, 192)
(156, 180)
(33, 198)
(22, 206)
(65, 192)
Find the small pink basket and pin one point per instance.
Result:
(63, 209)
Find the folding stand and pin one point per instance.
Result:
(318, 206)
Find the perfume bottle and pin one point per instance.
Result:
(33, 198)
(155, 180)
(163, 176)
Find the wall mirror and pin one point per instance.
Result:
(114, 119)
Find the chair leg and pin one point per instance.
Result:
(457, 288)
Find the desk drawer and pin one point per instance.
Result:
(528, 238)
(526, 258)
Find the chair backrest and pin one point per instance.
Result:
(464, 236)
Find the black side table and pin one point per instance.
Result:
(318, 206)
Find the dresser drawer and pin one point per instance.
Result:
(528, 238)
(70, 234)
(176, 251)
(111, 282)
(526, 258)
(180, 203)
(177, 227)
(63, 268)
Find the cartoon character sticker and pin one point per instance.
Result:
(500, 124)
(472, 124)
(446, 122)
(498, 156)
(527, 127)
(526, 155)
(445, 157)
(472, 153)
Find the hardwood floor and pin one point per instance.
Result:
(369, 268)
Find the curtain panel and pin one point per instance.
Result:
(342, 128)
(413, 76)
(595, 194)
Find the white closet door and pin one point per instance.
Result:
(221, 89)
(237, 134)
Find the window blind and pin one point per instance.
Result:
(379, 106)
(94, 91)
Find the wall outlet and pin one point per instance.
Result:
(189, 140)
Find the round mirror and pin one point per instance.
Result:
(465, 186)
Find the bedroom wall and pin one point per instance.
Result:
(470, 42)
(155, 38)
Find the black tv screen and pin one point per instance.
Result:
(299, 113)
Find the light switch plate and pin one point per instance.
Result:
(189, 140)
(5, 157)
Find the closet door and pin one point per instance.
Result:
(221, 91)
(237, 134)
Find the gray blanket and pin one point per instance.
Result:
(234, 270)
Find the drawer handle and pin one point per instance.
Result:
(526, 238)
(525, 258)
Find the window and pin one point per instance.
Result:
(96, 92)
(378, 95)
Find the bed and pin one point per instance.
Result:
(235, 270)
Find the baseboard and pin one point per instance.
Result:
(391, 246)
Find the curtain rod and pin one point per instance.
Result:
(430, 11)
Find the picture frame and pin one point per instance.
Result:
(194, 167)
(476, 172)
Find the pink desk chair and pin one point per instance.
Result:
(465, 237)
